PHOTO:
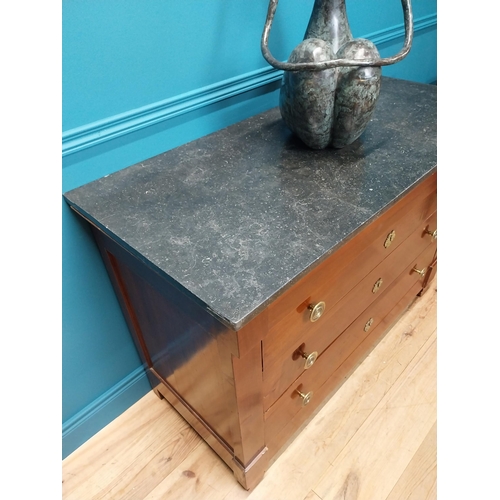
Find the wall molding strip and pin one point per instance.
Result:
(393, 33)
(96, 405)
(95, 133)
(77, 429)
(92, 134)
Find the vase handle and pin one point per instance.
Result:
(334, 63)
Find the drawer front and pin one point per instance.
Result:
(289, 316)
(284, 417)
(283, 356)
(353, 260)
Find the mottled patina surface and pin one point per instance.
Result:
(329, 22)
(237, 217)
(307, 98)
(356, 94)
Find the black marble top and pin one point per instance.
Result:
(238, 216)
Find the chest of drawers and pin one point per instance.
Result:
(255, 274)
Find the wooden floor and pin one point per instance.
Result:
(374, 440)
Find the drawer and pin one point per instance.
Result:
(354, 259)
(287, 414)
(281, 359)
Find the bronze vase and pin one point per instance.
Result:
(331, 81)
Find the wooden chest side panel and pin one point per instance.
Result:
(182, 344)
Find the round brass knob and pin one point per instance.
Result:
(317, 311)
(434, 234)
(306, 398)
(377, 285)
(310, 358)
(419, 271)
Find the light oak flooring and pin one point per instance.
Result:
(374, 440)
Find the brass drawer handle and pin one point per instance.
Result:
(368, 324)
(306, 398)
(419, 271)
(310, 358)
(317, 311)
(434, 234)
(377, 285)
(390, 238)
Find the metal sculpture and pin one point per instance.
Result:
(331, 81)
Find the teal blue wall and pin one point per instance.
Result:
(142, 77)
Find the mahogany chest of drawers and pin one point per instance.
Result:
(256, 274)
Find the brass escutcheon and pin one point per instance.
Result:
(306, 398)
(390, 238)
(310, 358)
(368, 324)
(317, 311)
(377, 285)
(419, 271)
